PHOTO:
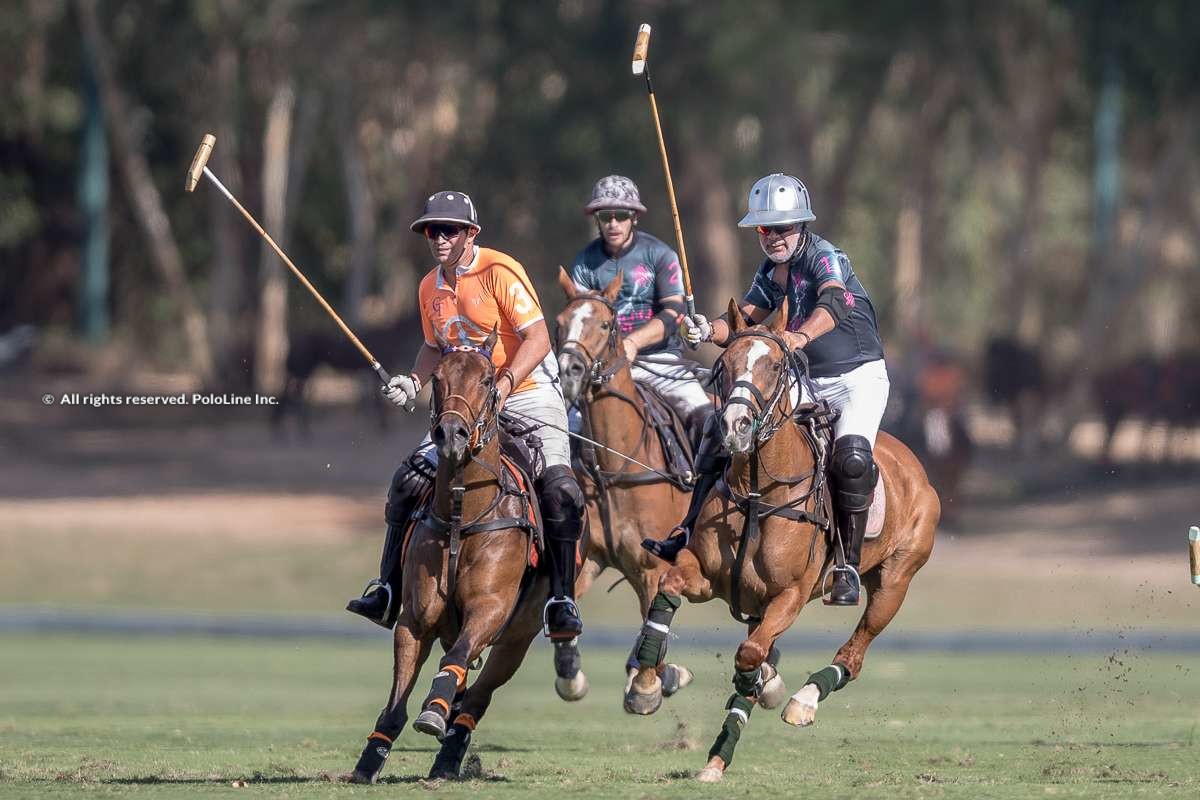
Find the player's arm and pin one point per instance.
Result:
(427, 359)
(832, 308)
(535, 345)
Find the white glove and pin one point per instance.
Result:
(403, 390)
(696, 330)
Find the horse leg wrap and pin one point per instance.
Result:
(567, 662)
(374, 756)
(748, 684)
(830, 679)
(448, 763)
(739, 714)
(651, 646)
(445, 687)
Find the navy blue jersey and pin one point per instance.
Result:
(855, 341)
(651, 273)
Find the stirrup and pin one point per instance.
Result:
(831, 576)
(374, 586)
(555, 601)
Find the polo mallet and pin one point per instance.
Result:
(200, 167)
(641, 50)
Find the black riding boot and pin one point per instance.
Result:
(380, 601)
(854, 476)
(710, 463)
(562, 513)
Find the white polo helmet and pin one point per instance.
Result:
(777, 199)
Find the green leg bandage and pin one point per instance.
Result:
(652, 641)
(830, 679)
(748, 684)
(739, 714)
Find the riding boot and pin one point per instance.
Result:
(562, 514)
(854, 474)
(380, 601)
(710, 463)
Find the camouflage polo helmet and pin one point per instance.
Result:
(615, 192)
(777, 199)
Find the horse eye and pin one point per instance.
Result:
(605, 325)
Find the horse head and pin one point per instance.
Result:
(757, 380)
(589, 341)
(463, 413)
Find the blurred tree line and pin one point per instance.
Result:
(1024, 169)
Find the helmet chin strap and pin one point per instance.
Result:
(789, 255)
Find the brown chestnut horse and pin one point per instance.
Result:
(463, 571)
(624, 502)
(776, 474)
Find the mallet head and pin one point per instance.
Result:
(641, 49)
(199, 162)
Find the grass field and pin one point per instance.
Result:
(182, 717)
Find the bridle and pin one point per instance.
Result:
(767, 413)
(598, 374)
(482, 424)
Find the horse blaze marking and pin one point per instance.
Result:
(578, 317)
(757, 350)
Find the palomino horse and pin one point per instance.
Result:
(761, 544)
(464, 571)
(623, 505)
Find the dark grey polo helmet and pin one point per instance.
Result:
(778, 199)
(615, 192)
(450, 206)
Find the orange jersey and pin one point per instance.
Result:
(492, 290)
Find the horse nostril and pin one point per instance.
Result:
(575, 369)
(439, 435)
(741, 425)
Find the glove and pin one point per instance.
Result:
(696, 330)
(403, 390)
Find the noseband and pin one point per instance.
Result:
(598, 375)
(764, 421)
(482, 424)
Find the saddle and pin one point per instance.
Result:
(671, 431)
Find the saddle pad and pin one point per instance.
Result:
(525, 484)
(875, 515)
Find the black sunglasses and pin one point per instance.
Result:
(781, 230)
(609, 216)
(447, 230)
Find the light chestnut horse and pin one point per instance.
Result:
(463, 570)
(625, 503)
(778, 453)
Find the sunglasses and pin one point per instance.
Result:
(609, 216)
(781, 230)
(436, 230)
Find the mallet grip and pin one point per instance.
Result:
(641, 49)
(200, 161)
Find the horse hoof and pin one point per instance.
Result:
(674, 678)
(801, 710)
(572, 689)
(360, 777)
(644, 703)
(773, 691)
(710, 775)
(431, 722)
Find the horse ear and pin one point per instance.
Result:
(780, 318)
(568, 285)
(490, 343)
(737, 322)
(614, 286)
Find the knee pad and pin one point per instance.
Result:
(561, 497)
(411, 479)
(854, 472)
